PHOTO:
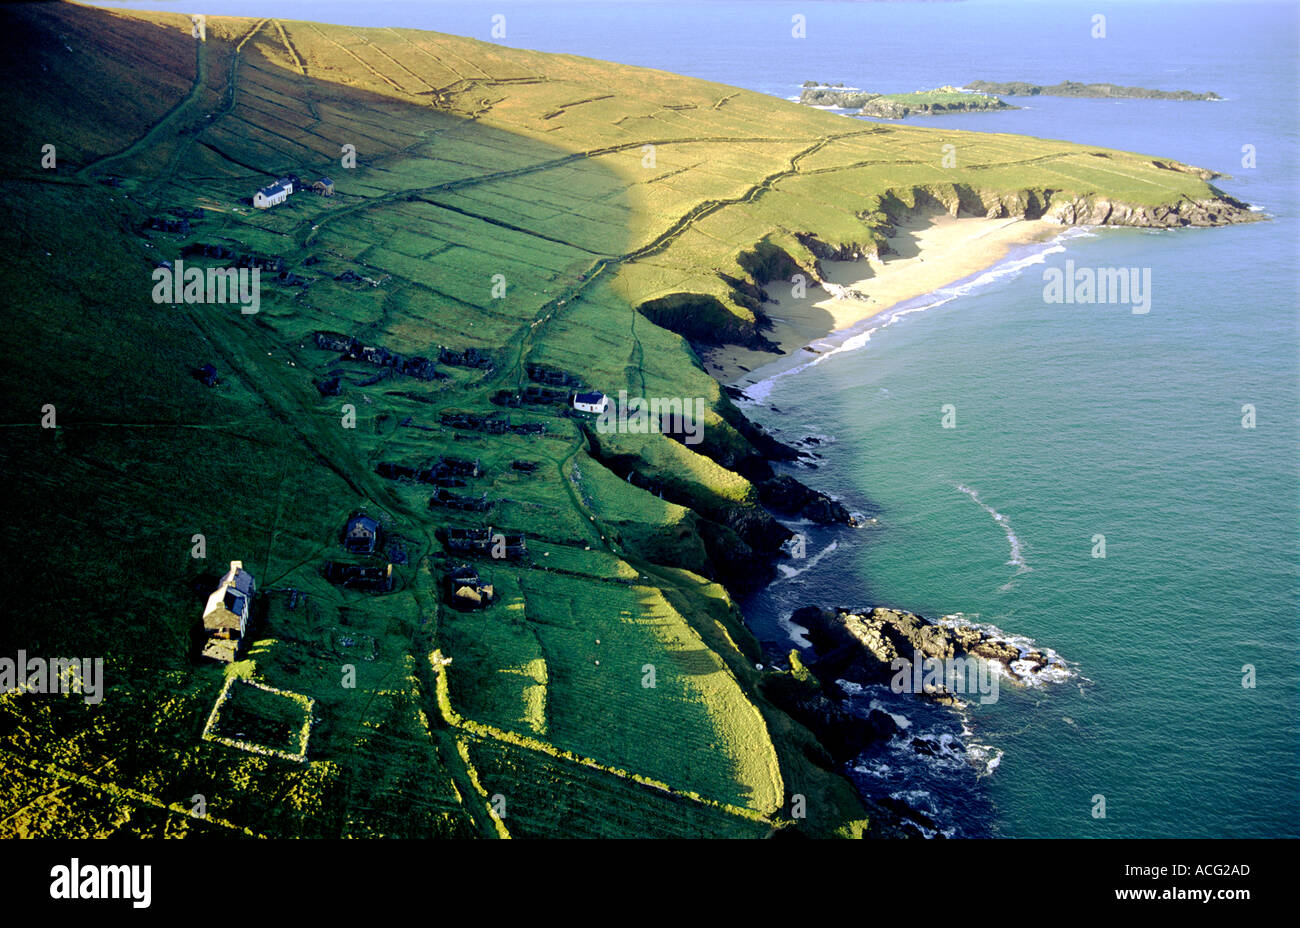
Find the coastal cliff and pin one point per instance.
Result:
(741, 317)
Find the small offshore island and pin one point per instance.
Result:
(1077, 89)
(940, 101)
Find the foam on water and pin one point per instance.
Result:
(789, 573)
(1017, 558)
(857, 337)
(798, 634)
(1057, 670)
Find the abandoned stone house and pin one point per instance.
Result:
(552, 376)
(466, 591)
(324, 186)
(484, 542)
(361, 536)
(359, 577)
(206, 375)
(225, 617)
(174, 226)
(448, 500)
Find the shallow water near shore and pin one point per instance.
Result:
(1074, 422)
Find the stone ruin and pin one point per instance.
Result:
(470, 357)
(353, 349)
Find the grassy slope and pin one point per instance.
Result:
(473, 160)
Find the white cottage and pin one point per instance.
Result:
(590, 402)
(272, 195)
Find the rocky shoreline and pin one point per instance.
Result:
(854, 648)
(1078, 89)
(940, 101)
(859, 645)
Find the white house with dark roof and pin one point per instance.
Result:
(272, 195)
(590, 402)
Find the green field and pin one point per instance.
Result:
(472, 161)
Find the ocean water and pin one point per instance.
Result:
(1072, 420)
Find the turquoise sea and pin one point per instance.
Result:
(1072, 420)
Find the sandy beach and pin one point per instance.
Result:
(929, 253)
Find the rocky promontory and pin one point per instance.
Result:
(858, 645)
(940, 101)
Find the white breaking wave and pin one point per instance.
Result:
(849, 340)
(788, 572)
(1056, 670)
(1017, 558)
(902, 721)
(798, 634)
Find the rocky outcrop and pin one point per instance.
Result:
(884, 108)
(840, 251)
(821, 709)
(848, 98)
(903, 105)
(1098, 211)
(703, 320)
(788, 496)
(1053, 205)
(1077, 89)
(859, 645)
(935, 102)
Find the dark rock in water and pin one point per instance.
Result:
(905, 811)
(859, 645)
(787, 495)
(882, 725)
(927, 747)
(842, 733)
